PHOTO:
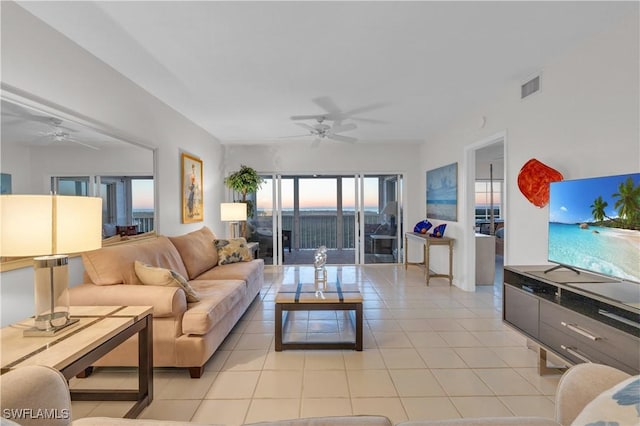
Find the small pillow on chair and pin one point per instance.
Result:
(619, 405)
(152, 275)
(232, 250)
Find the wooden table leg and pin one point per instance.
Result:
(358, 326)
(426, 261)
(278, 325)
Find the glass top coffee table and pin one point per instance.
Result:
(330, 296)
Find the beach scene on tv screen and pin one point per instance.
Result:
(594, 224)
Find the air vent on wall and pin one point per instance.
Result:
(530, 87)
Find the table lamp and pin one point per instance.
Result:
(233, 213)
(47, 226)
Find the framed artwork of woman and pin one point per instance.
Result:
(192, 204)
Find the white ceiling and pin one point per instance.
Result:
(241, 69)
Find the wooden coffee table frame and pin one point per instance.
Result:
(144, 394)
(79, 364)
(319, 306)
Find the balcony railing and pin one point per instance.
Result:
(316, 229)
(144, 220)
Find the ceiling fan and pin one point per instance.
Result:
(321, 130)
(57, 135)
(333, 113)
(14, 114)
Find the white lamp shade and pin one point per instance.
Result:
(233, 212)
(36, 225)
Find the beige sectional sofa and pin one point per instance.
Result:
(185, 334)
(584, 394)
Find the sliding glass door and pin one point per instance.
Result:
(355, 216)
(381, 227)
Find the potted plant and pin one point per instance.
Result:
(244, 181)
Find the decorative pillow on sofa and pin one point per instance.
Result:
(232, 250)
(192, 295)
(152, 275)
(619, 405)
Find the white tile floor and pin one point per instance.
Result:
(430, 353)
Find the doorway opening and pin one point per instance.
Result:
(486, 208)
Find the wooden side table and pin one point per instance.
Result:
(100, 329)
(254, 247)
(427, 242)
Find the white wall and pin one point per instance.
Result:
(42, 62)
(584, 122)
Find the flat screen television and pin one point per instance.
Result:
(594, 225)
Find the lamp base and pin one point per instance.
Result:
(36, 332)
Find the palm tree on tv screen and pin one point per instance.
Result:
(598, 207)
(628, 204)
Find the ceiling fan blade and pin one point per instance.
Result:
(338, 128)
(369, 120)
(342, 138)
(306, 117)
(327, 104)
(293, 136)
(22, 112)
(306, 126)
(366, 108)
(315, 142)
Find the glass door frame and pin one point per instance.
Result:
(358, 218)
(361, 211)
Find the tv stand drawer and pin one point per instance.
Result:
(573, 350)
(591, 336)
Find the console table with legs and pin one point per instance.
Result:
(428, 241)
(72, 351)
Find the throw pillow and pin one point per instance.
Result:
(192, 295)
(152, 275)
(619, 405)
(232, 250)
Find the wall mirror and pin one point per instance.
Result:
(45, 148)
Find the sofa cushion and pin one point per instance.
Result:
(618, 405)
(197, 251)
(245, 271)
(115, 264)
(217, 299)
(233, 250)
